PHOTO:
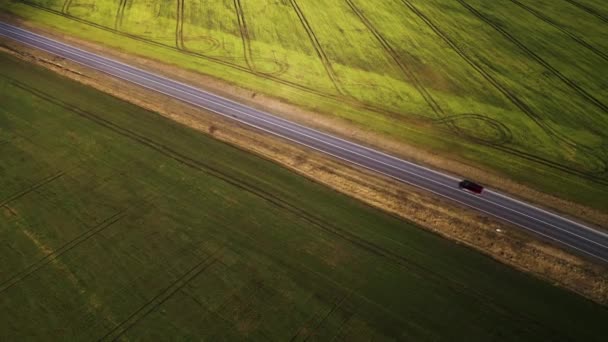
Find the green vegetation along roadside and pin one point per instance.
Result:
(118, 223)
(510, 86)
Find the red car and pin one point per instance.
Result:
(470, 186)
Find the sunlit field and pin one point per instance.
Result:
(517, 87)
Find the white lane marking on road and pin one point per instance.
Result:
(102, 61)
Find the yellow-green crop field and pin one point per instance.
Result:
(518, 87)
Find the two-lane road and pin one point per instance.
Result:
(572, 235)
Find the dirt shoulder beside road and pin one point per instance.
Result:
(496, 239)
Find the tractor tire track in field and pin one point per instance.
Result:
(179, 26)
(428, 98)
(296, 211)
(588, 10)
(31, 188)
(582, 92)
(336, 305)
(556, 25)
(253, 290)
(318, 48)
(65, 9)
(504, 135)
(160, 298)
(120, 13)
(515, 100)
(245, 37)
(591, 175)
(25, 273)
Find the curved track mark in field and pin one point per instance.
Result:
(318, 48)
(245, 37)
(500, 135)
(120, 13)
(538, 120)
(590, 98)
(589, 175)
(47, 259)
(442, 117)
(588, 10)
(553, 23)
(179, 26)
(160, 298)
(213, 43)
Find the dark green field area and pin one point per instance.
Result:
(516, 87)
(118, 223)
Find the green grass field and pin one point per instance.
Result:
(514, 86)
(118, 223)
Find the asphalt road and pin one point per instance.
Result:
(550, 226)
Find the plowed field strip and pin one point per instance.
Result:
(442, 116)
(553, 23)
(334, 307)
(578, 89)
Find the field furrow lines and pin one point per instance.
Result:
(567, 81)
(219, 60)
(66, 6)
(31, 188)
(524, 107)
(588, 10)
(326, 226)
(523, 154)
(245, 37)
(120, 13)
(318, 48)
(595, 174)
(551, 22)
(24, 274)
(179, 29)
(435, 107)
(161, 297)
(441, 115)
